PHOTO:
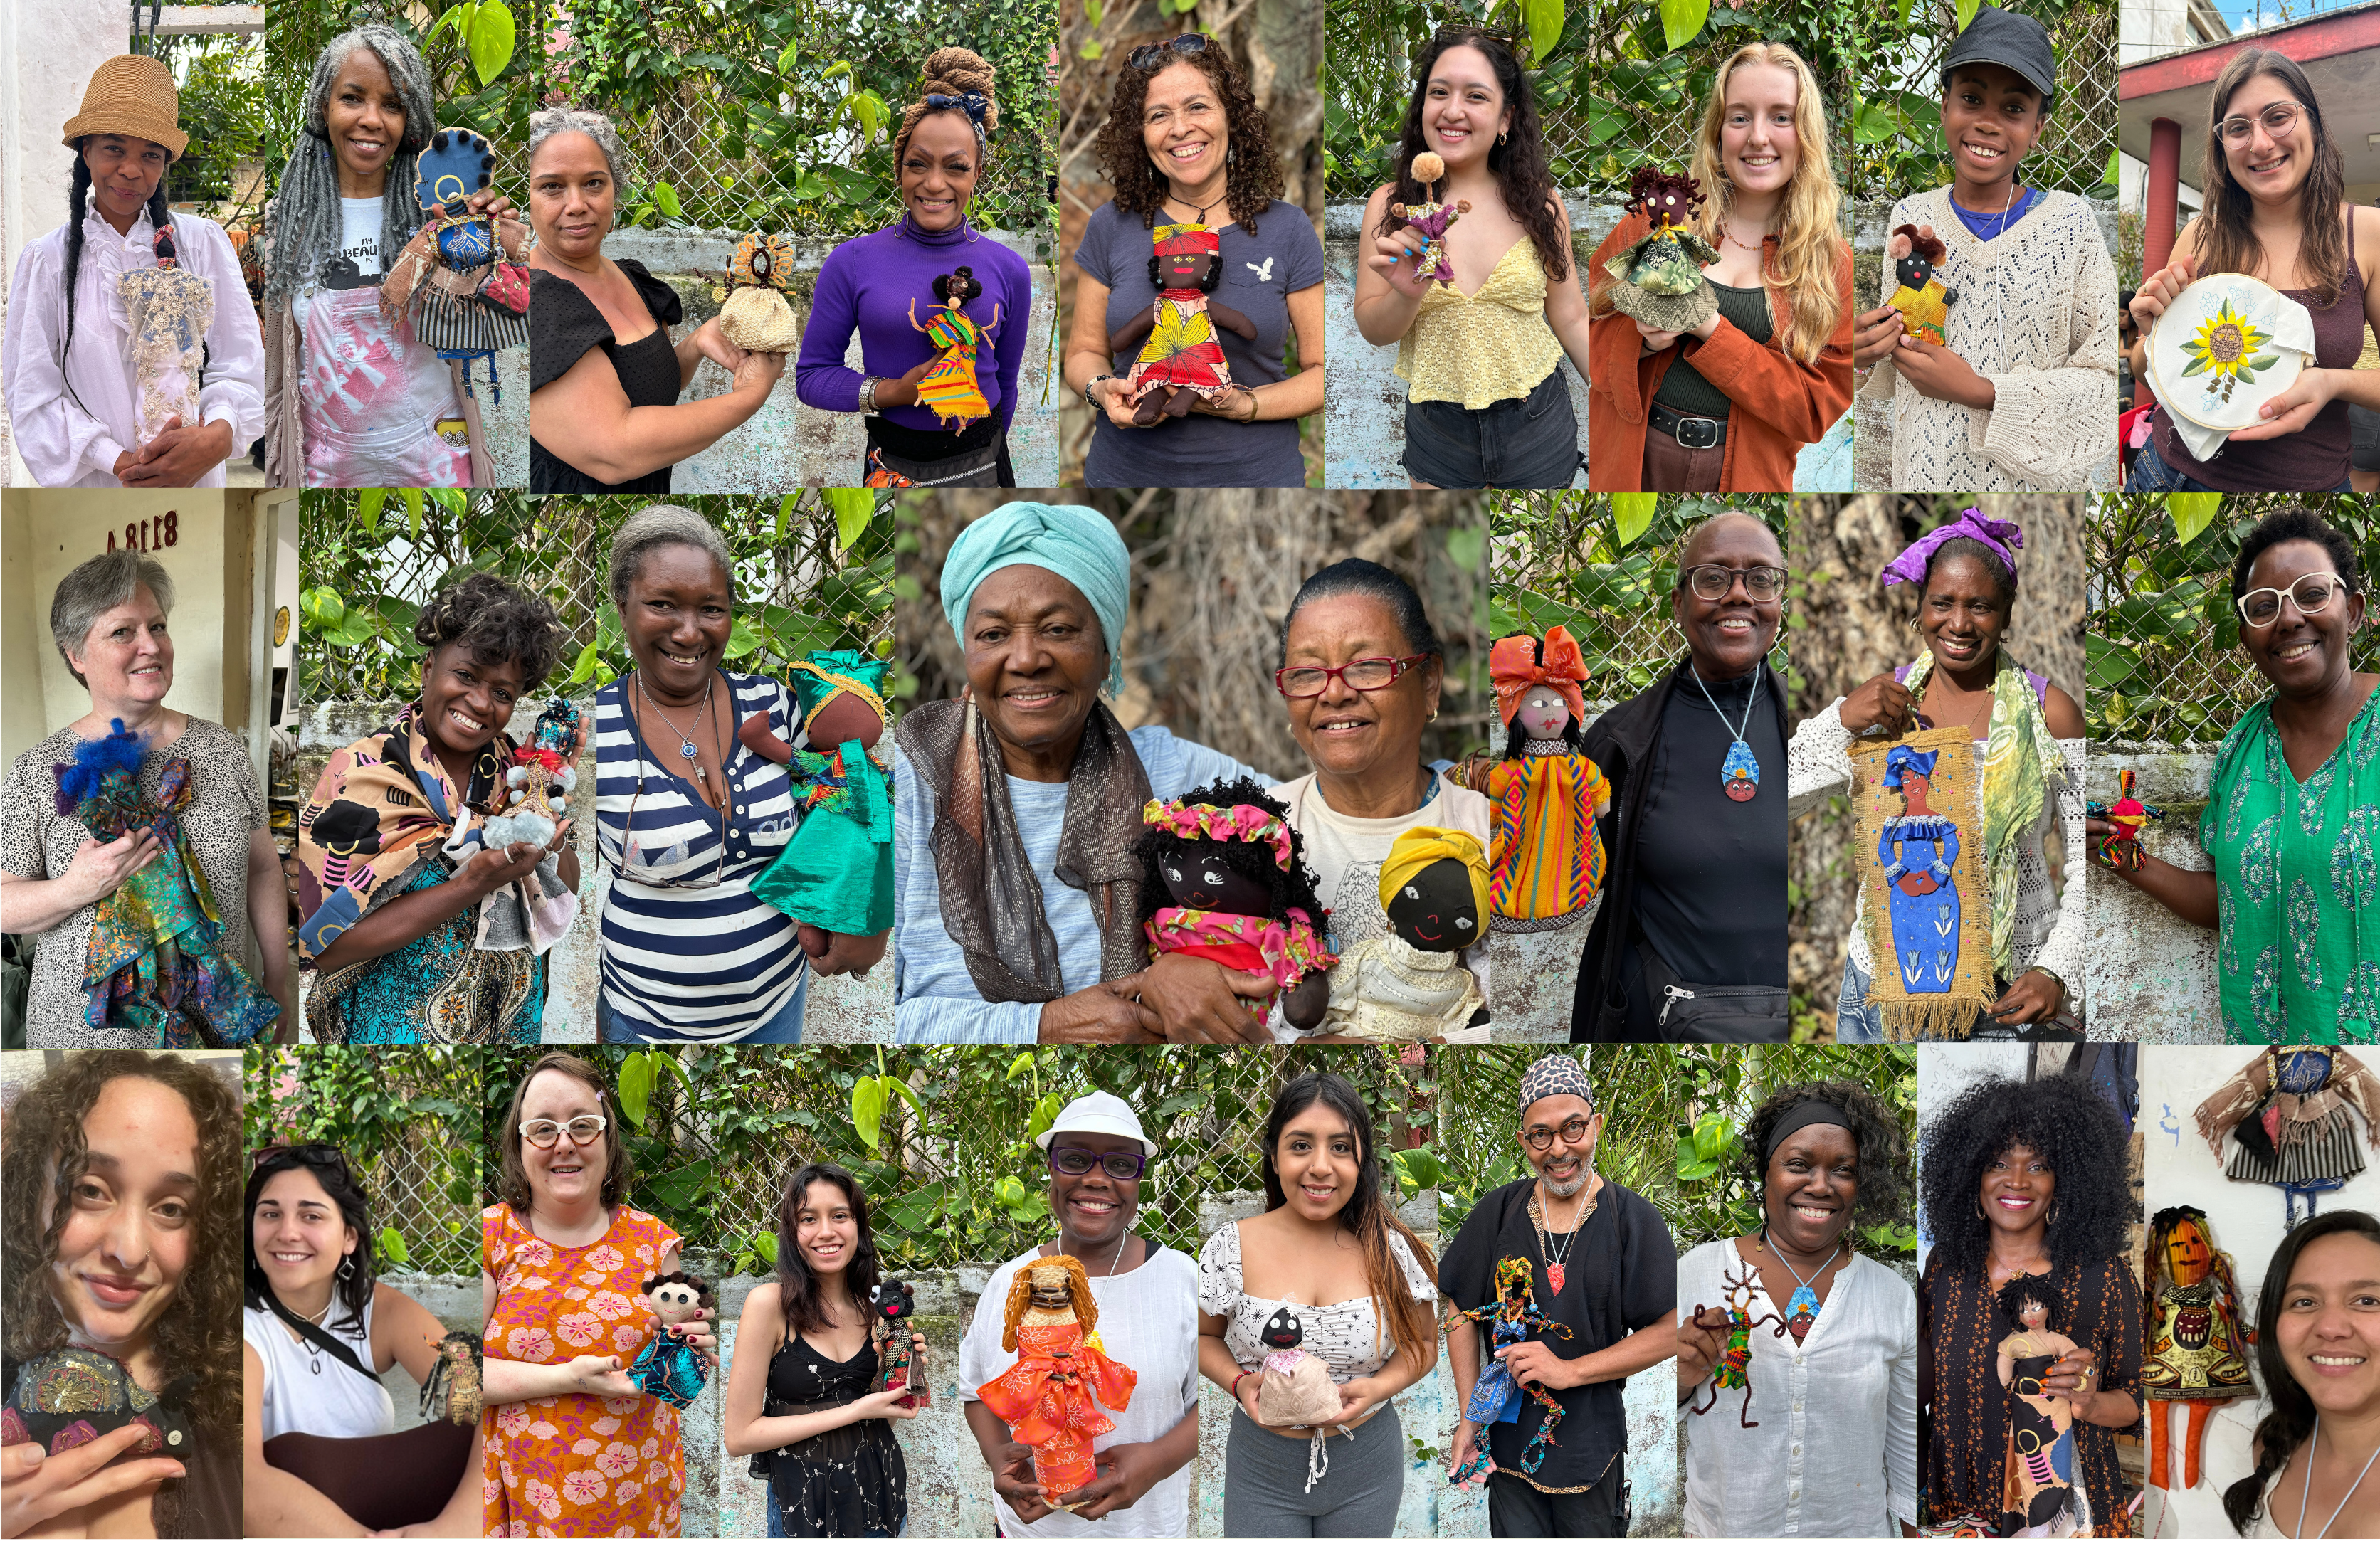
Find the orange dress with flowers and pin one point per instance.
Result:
(575, 1467)
(1046, 1400)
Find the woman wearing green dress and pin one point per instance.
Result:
(2293, 816)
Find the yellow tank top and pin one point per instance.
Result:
(1479, 349)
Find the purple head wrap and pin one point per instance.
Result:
(2003, 536)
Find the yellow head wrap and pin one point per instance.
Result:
(1424, 845)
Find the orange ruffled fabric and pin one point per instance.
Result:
(1047, 1401)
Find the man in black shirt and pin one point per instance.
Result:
(1604, 1266)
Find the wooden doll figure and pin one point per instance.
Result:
(2194, 1334)
(1432, 220)
(1498, 1395)
(1923, 304)
(1917, 850)
(951, 387)
(1546, 858)
(2037, 1499)
(1052, 1398)
(1180, 355)
(1224, 877)
(1411, 985)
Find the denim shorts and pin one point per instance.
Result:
(2152, 474)
(1528, 442)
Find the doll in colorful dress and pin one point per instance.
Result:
(892, 1307)
(540, 779)
(1433, 219)
(1411, 985)
(2121, 848)
(1918, 850)
(2194, 1334)
(951, 387)
(1923, 304)
(2037, 1495)
(467, 297)
(1498, 1395)
(835, 875)
(1224, 877)
(1056, 1397)
(670, 1366)
(1546, 858)
(1658, 279)
(1180, 355)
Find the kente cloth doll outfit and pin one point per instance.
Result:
(1546, 859)
(851, 1482)
(1966, 1459)
(2036, 317)
(866, 286)
(2296, 884)
(386, 819)
(71, 439)
(37, 842)
(564, 325)
(1486, 401)
(1779, 404)
(2290, 1117)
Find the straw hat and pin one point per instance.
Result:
(132, 93)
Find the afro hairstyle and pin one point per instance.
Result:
(493, 621)
(961, 285)
(1252, 860)
(1648, 183)
(2065, 1120)
(1883, 1153)
(2022, 1290)
(2297, 524)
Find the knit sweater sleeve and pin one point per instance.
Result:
(1817, 761)
(2062, 952)
(2053, 426)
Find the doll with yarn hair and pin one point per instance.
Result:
(755, 314)
(671, 1367)
(1546, 857)
(1181, 358)
(1224, 877)
(1915, 252)
(1056, 1396)
(1658, 279)
(2038, 1495)
(951, 387)
(1411, 985)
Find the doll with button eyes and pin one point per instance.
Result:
(1181, 359)
(1657, 280)
(670, 1366)
(1224, 877)
(1411, 985)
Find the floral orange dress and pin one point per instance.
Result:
(1046, 1400)
(575, 1467)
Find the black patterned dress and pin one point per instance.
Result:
(847, 1483)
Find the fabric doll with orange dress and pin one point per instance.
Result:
(1544, 856)
(1052, 1398)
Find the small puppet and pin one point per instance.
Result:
(1734, 1369)
(1544, 856)
(1657, 280)
(669, 1367)
(72, 1396)
(1180, 355)
(468, 297)
(1923, 304)
(167, 310)
(835, 875)
(2291, 1113)
(2121, 848)
(756, 315)
(892, 1305)
(455, 1391)
(2193, 1313)
(1498, 1395)
(156, 962)
(1056, 1397)
(951, 387)
(1224, 877)
(540, 779)
(1433, 219)
(2037, 1498)
(1296, 1389)
(1412, 985)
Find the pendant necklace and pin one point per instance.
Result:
(686, 746)
(2307, 1494)
(1545, 1245)
(1739, 773)
(1802, 1307)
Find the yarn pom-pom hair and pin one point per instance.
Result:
(1664, 197)
(85, 776)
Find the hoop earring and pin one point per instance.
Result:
(2050, 1220)
(1503, 135)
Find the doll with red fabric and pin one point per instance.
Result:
(1181, 358)
(1224, 877)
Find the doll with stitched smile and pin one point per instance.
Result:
(1411, 983)
(1180, 355)
(1232, 869)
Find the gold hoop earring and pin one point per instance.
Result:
(1503, 136)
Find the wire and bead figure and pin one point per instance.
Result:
(1733, 1368)
(1509, 1319)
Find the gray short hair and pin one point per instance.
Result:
(658, 526)
(545, 124)
(97, 587)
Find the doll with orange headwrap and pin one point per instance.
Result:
(1180, 355)
(1546, 857)
(1052, 1398)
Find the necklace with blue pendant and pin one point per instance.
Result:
(1739, 773)
(1801, 1308)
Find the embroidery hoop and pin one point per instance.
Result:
(2167, 352)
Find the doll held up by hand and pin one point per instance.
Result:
(1411, 985)
(1056, 1396)
(1546, 857)
(836, 874)
(1224, 878)
(1181, 358)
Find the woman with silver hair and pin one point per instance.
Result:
(605, 377)
(59, 880)
(353, 398)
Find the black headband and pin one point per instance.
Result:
(1809, 1112)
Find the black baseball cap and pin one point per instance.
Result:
(2012, 41)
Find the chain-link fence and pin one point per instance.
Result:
(407, 1120)
(2165, 659)
(1639, 1088)
(813, 571)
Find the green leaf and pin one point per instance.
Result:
(367, 504)
(322, 610)
(2196, 365)
(1417, 1169)
(1546, 27)
(666, 197)
(1966, 14)
(1024, 1063)
(854, 508)
(2107, 664)
(1631, 513)
(2192, 512)
(1712, 1133)
(584, 671)
(867, 1112)
(491, 40)
(1045, 1114)
(908, 1095)
(392, 1247)
(1466, 548)
(2264, 361)
(765, 1246)
(636, 1087)
(1681, 19)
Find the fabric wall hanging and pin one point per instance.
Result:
(1921, 869)
(2289, 1115)
(468, 298)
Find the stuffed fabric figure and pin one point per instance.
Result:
(1546, 857)
(1925, 305)
(2290, 1116)
(1433, 219)
(2121, 848)
(2194, 1335)
(892, 1305)
(2039, 1498)
(1056, 1397)
(1224, 877)
(1498, 1395)
(669, 1367)
(540, 779)
(1180, 355)
(835, 875)
(72, 1397)
(467, 296)
(1411, 983)
(755, 315)
(952, 387)
(167, 310)
(1658, 279)
(1296, 1389)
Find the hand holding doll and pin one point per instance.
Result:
(1181, 358)
(677, 1363)
(835, 877)
(1412, 985)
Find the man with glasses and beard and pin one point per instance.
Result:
(1148, 1296)
(1604, 1269)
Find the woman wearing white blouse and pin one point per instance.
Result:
(1823, 1442)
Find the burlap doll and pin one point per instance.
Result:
(835, 875)
(1296, 1389)
(1658, 279)
(1224, 877)
(167, 310)
(755, 314)
(1432, 220)
(1056, 1396)
(1923, 304)
(951, 387)
(467, 297)
(1180, 355)
(2194, 1335)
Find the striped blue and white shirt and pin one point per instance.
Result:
(711, 963)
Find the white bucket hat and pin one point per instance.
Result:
(1101, 1114)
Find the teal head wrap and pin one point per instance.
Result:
(1077, 544)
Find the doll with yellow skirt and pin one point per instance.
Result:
(835, 875)
(1055, 1399)
(951, 387)
(1546, 858)
(1411, 983)
(1181, 357)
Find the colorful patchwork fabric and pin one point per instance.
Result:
(950, 387)
(1546, 858)
(1287, 949)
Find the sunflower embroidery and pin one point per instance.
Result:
(2231, 347)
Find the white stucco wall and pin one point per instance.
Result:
(2147, 970)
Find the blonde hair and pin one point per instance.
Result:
(1809, 237)
(1020, 1296)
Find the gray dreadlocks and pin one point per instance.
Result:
(305, 215)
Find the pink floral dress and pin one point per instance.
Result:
(575, 1467)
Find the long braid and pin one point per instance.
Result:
(2292, 1418)
(306, 222)
(78, 202)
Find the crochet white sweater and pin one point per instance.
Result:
(2035, 315)
(1819, 765)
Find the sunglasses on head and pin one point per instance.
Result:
(1150, 56)
(282, 1155)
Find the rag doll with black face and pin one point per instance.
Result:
(1412, 985)
(1546, 857)
(1925, 305)
(892, 1308)
(1224, 877)
(1181, 358)
(1657, 280)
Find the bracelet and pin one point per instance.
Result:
(1245, 1370)
(1088, 395)
(868, 392)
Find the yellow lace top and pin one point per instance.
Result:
(1479, 349)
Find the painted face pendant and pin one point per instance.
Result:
(1740, 772)
(1800, 1312)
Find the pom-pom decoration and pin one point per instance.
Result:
(1433, 219)
(540, 780)
(1657, 280)
(756, 315)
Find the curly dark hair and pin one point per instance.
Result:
(1573, 733)
(2297, 524)
(1251, 860)
(1519, 161)
(2291, 1420)
(703, 1295)
(2022, 1290)
(1252, 181)
(42, 1157)
(961, 282)
(1648, 182)
(2062, 1118)
(1883, 1155)
(330, 1169)
(496, 621)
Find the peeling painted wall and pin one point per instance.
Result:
(2148, 975)
(1535, 977)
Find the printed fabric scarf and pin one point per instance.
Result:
(991, 898)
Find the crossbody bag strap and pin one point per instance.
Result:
(322, 1340)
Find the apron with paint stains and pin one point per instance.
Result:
(379, 408)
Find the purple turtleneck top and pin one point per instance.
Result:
(869, 281)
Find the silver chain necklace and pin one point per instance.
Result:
(686, 746)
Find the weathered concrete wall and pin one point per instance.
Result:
(1535, 977)
(504, 416)
(455, 1302)
(2150, 976)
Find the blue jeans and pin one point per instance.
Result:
(2150, 473)
(616, 1027)
(1855, 1023)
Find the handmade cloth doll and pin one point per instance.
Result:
(755, 315)
(1544, 855)
(1657, 280)
(1498, 1395)
(2193, 1334)
(72, 1397)
(1923, 304)
(156, 962)
(2121, 848)
(533, 814)
(835, 875)
(167, 310)
(1433, 219)
(1928, 910)
(2039, 1498)
(2287, 1113)
(1056, 1397)
(1180, 355)
(892, 1305)
(670, 1368)
(455, 1393)
(1733, 1368)
(951, 387)
(468, 299)
(1296, 1389)
(1224, 877)
(1410, 983)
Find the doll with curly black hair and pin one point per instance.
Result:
(2039, 1498)
(1658, 280)
(1224, 877)
(949, 386)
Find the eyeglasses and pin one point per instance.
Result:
(582, 1131)
(2311, 594)
(1364, 675)
(1118, 1165)
(2278, 119)
(1150, 56)
(1712, 581)
(320, 1155)
(1540, 1137)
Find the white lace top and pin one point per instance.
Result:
(1347, 1335)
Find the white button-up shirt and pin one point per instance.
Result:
(72, 439)
(1834, 1454)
